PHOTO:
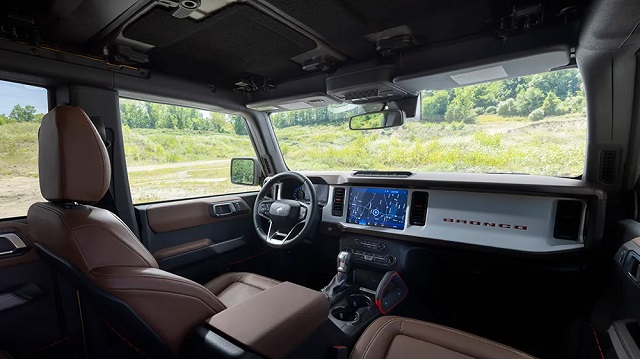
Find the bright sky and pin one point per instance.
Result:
(12, 94)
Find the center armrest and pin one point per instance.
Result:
(275, 321)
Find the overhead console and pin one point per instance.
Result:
(365, 85)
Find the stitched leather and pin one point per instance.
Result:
(396, 337)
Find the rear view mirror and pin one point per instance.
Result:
(377, 120)
(245, 171)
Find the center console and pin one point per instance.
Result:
(357, 296)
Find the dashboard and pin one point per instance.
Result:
(507, 221)
(532, 214)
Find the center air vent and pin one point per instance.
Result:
(568, 220)
(399, 174)
(418, 214)
(338, 202)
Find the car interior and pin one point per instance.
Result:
(318, 249)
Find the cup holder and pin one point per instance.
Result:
(357, 301)
(349, 313)
(345, 314)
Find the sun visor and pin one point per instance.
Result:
(490, 69)
(315, 100)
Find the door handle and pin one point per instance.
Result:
(10, 243)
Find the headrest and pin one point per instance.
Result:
(73, 161)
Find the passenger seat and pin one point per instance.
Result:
(404, 338)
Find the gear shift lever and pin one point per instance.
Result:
(338, 283)
(344, 261)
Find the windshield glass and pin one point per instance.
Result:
(533, 125)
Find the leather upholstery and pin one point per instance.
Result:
(403, 338)
(73, 161)
(235, 288)
(276, 320)
(104, 249)
(74, 167)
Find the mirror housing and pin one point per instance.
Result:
(245, 171)
(377, 120)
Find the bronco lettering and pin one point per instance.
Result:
(486, 224)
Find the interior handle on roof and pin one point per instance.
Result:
(10, 244)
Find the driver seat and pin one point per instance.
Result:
(75, 173)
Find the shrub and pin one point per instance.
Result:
(536, 115)
(491, 110)
(507, 108)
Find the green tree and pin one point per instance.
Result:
(239, 125)
(23, 114)
(551, 105)
(461, 107)
(529, 100)
(563, 83)
(434, 105)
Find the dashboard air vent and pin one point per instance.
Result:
(418, 214)
(609, 167)
(338, 202)
(568, 218)
(399, 174)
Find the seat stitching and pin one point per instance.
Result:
(471, 336)
(198, 287)
(161, 291)
(64, 223)
(114, 236)
(95, 141)
(364, 354)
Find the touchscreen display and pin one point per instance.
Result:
(377, 207)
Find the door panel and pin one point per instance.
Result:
(198, 238)
(29, 320)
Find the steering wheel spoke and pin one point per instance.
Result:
(264, 207)
(304, 209)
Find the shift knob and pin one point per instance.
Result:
(344, 261)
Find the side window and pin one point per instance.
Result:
(175, 152)
(21, 109)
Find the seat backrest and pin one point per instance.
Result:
(75, 173)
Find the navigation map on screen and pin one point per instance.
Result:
(377, 207)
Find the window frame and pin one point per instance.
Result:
(141, 98)
(50, 99)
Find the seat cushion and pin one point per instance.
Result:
(396, 337)
(236, 287)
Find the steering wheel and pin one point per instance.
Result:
(284, 215)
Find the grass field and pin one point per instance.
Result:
(173, 164)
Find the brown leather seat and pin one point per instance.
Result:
(75, 173)
(403, 338)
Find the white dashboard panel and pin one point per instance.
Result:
(506, 221)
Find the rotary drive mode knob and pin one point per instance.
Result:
(390, 259)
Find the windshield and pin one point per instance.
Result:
(531, 125)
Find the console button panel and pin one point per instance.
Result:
(372, 250)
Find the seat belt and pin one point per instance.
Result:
(107, 201)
